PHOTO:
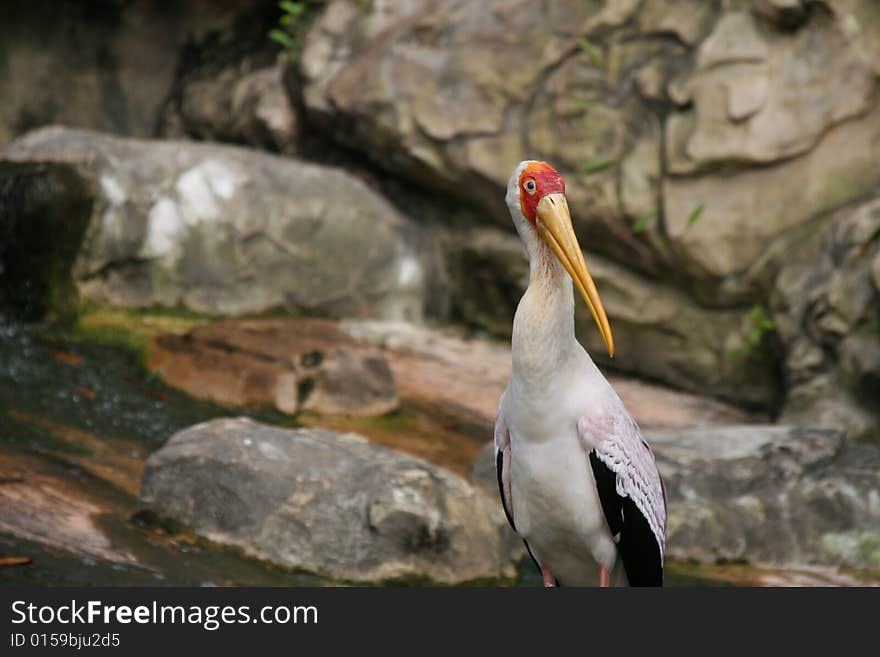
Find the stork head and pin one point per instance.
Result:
(536, 198)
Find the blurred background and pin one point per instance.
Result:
(277, 233)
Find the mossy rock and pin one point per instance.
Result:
(44, 213)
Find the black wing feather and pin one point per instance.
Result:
(636, 543)
(499, 468)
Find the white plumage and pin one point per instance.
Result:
(558, 409)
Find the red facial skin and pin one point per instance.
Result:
(547, 181)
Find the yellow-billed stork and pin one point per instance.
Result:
(577, 481)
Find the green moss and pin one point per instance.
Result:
(130, 328)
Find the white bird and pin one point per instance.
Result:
(577, 481)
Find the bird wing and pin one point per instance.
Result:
(630, 490)
(502, 466)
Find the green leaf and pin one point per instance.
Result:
(282, 37)
(695, 214)
(286, 20)
(292, 8)
(596, 165)
(590, 50)
(730, 354)
(641, 222)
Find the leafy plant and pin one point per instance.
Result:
(287, 34)
(594, 165)
(695, 214)
(641, 222)
(590, 50)
(759, 324)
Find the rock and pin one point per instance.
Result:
(327, 503)
(109, 68)
(290, 364)
(488, 270)
(783, 495)
(754, 98)
(826, 296)
(463, 378)
(723, 247)
(427, 89)
(223, 230)
(787, 14)
(776, 494)
(737, 65)
(688, 20)
(663, 335)
(769, 107)
(249, 107)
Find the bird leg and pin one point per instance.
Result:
(604, 577)
(547, 576)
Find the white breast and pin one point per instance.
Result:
(557, 508)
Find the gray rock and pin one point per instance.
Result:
(780, 495)
(826, 298)
(224, 230)
(663, 335)
(109, 67)
(326, 502)
(774, 494)
(768, 107)
(241, 105)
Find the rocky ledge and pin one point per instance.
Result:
(773, 495)
(291, 365)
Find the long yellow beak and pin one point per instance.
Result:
(554, 224)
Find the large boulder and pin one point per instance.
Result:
(782, 495)
(225, 230)
(328, 503)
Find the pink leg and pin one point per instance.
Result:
(604, 577)
(549, 580)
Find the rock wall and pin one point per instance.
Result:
(111, 65)
(702, 143)
(720, 159)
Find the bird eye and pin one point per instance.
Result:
(530, 186)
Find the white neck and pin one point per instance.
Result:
(543, 342)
